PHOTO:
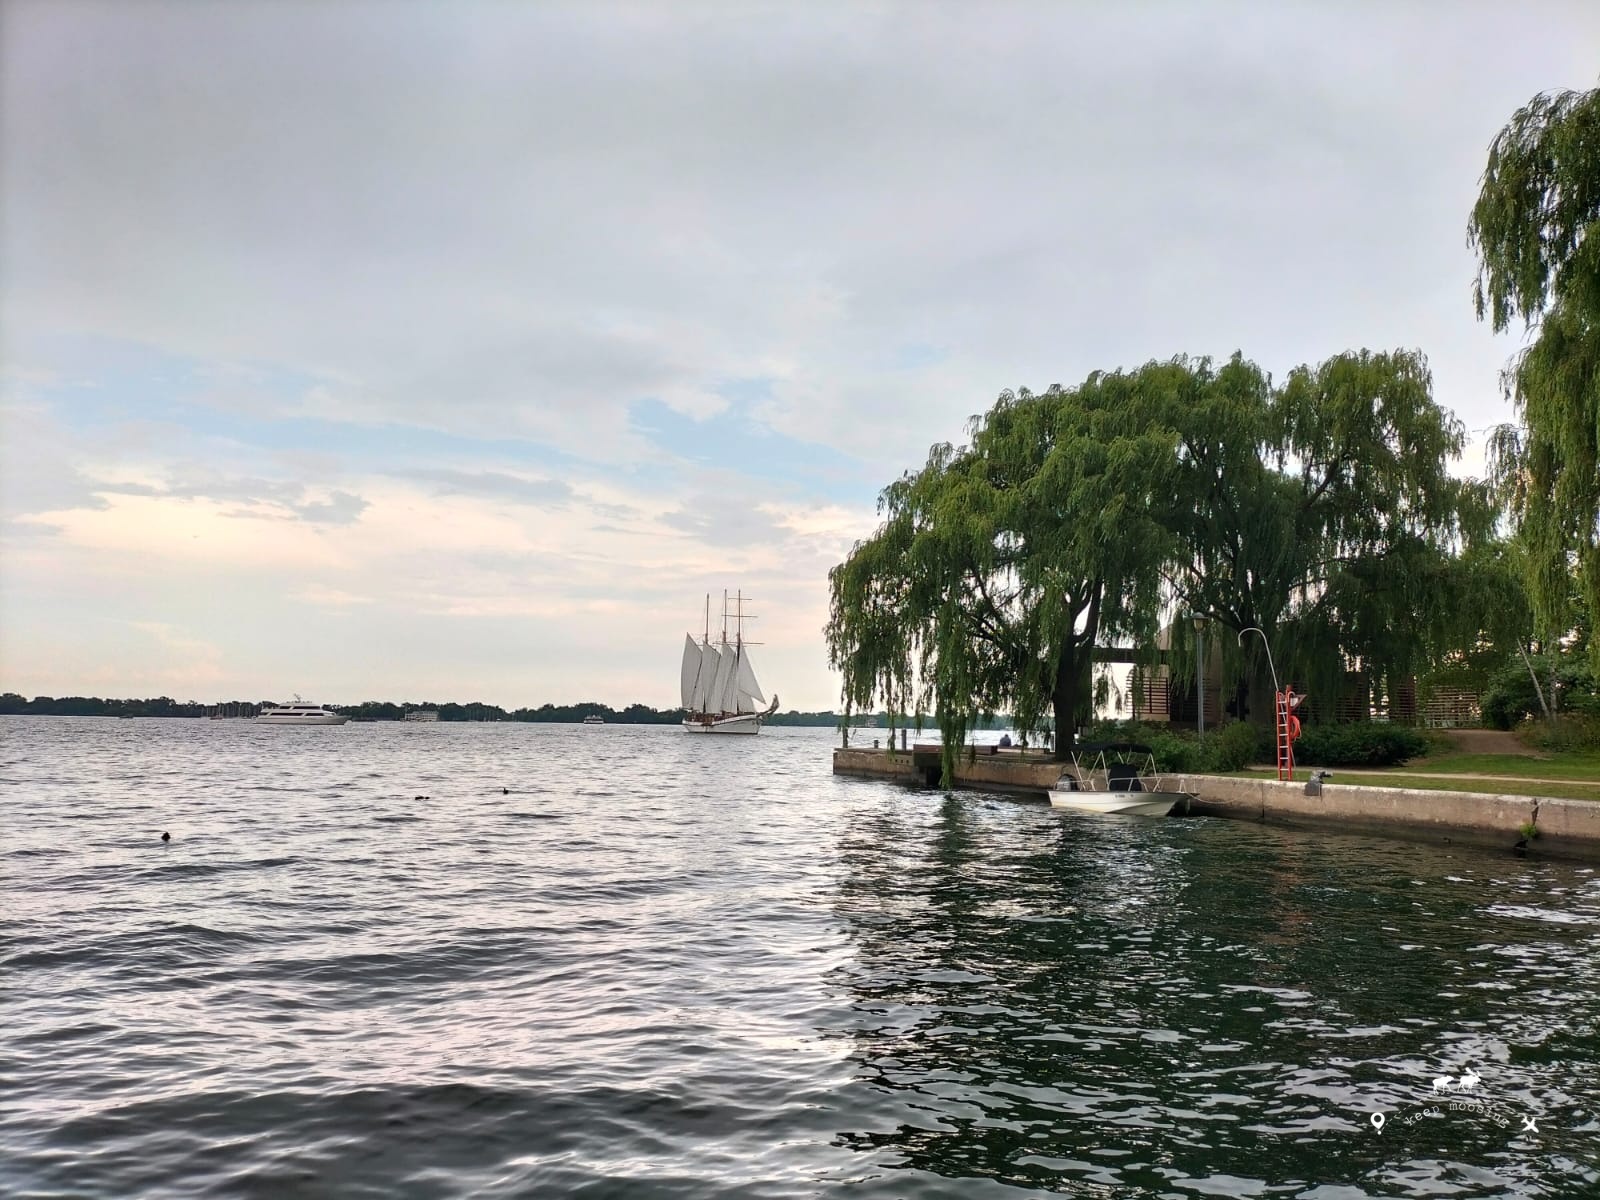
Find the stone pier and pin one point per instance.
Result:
(1545, 826)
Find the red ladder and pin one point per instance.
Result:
(1288, 729)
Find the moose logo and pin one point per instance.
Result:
(1466, 1083)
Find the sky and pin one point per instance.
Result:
(457, 351)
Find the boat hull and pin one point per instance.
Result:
(743, 723)
(331, 719)
(1139, 804)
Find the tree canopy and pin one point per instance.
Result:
(1321, 511)
(1536, 226)
(1000, 564)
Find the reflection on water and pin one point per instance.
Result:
(495, 960)
(1128, 1007)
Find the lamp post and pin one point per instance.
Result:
(1199, 678)
(1264, 642)
(1287, 727)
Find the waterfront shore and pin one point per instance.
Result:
(1536, 824)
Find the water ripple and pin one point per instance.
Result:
(668, 966)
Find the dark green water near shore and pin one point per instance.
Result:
(661, 965)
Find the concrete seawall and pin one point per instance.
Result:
(1562, 828)
(1005, 772)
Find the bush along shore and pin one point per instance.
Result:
(1239, 745)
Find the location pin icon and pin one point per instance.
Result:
(1377, 1121)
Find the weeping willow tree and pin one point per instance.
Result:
(1536, 226)
(1321, 512)
(1000, 565)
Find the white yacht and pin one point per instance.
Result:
(300, 713)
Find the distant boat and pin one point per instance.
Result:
(423, 714)
(594, 719)
(717, 680)
(300, 713)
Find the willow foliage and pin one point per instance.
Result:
(1320, 511)
(999, 565)
(1536, 226)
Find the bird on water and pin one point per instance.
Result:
(166, 837)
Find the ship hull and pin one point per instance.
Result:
(743, 723)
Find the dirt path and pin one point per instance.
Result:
(1488, 741)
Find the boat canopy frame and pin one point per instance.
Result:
(1116, 774)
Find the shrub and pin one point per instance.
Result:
(1180, 751)
(1510, 695)
(1363, 744)
(1565, 733)
(1236, 746)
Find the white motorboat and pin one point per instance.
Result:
(1118, 777)
(718, 683)
(299, 713)
(594, 719)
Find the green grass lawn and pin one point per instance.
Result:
(1575, 776)
(1575, 765)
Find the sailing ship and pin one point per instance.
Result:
(719, 687)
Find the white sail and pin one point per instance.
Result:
(730, 689)
(749, 690)
(721, 698)
(710, 664)
(690, 671)
(718, 683)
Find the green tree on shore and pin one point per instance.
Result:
(999, 566)
(1321, 511)
(1536, 226)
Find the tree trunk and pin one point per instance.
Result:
(1064, 703)
(1261, 699)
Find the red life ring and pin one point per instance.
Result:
(1293, 727)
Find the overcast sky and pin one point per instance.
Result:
(455, 351)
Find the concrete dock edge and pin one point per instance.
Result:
(1544, 826)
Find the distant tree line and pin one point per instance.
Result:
(12, 704)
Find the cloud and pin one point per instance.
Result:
(328, 597)
(724, 520)
(496, 485)
(508, 319)
(340, 508)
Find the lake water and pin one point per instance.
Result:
(663, 965)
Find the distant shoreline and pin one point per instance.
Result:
(14, 705)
